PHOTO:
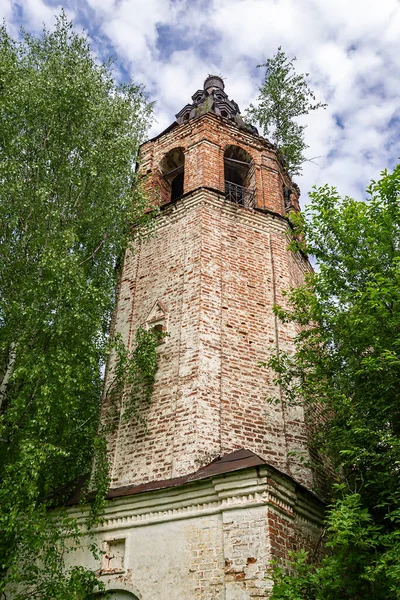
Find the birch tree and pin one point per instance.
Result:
(69, 139)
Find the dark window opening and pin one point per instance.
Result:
(172, 168)
(117, 595)
(233, 175)
(239, 177)
(224, 113)
(158, 330)
(177, 186)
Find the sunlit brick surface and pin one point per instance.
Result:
(218, 269)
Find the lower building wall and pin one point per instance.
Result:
(209, 540)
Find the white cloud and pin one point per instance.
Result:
(132, 27)
(37, 13)
(6, 9)
(351, 50)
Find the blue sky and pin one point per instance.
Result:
(350, 48)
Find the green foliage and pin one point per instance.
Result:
(40, 571)
(362, 559)
(284, 96)
(347, 369)
(135, 371)
(68, 145)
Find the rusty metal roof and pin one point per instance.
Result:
(240, 459)
(235, 461)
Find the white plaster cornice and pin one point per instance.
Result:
(242, 489)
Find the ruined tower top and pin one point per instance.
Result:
(214, 81)
(210, 146)
(213, 98)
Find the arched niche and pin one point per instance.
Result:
(239, 176)
(117, 595)
(120, 595)
(172, 167)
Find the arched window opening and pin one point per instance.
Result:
(239, 176)
(177, 186)
(117, 595)
(172, 168)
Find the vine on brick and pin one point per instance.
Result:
(135, 370)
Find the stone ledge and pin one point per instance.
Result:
(257, 218)
(245, 488)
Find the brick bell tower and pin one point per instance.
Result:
(211, 481)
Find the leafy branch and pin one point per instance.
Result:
(284, 97)
(346, 373)
(135, 371)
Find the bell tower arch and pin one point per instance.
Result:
(118, 595)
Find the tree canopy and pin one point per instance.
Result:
(69, 139)
(347, 369)
(284, 96)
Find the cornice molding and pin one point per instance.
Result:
(258, 219)
(244, 489)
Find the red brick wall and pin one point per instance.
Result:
(205, 140)
(218, 268)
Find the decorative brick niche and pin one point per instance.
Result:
(157, 321)
(114, 557)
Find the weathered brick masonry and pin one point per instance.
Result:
(209, 275)
(217, 268)
(212, 537)
(204, 141)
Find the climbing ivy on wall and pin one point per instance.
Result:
(135, 370)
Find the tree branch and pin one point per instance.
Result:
(12, 355)
(94, 252)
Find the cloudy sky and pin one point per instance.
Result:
(351, 48)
